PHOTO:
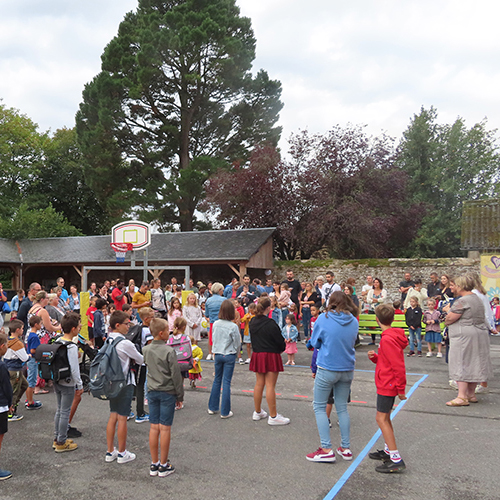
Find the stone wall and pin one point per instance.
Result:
(390, 271)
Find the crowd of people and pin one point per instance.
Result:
(149, 326)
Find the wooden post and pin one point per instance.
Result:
(243, 270)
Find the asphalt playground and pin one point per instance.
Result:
(450, 453)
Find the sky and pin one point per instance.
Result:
(373, 63)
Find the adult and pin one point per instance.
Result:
(231, 291)
(173, 282)
(309, 298)
(48, 328)
(269, 286)
(132, 289)
(318, 284)
(469, 355)
(158, 297)
(328, 288)
(203, 293)
(191, 287)
(446, 292)
(267, 346)
(16, 302)
(334, 336)
(434, 287)
(418, 292)
(226, 343)
(119, 295)
(74, 299)
(294, 287)
(53, 308)
(193, 315)
(258, 285)
(27, 304)
(93, 289)
(276, 289)
(212, 307)
(364, 292)
(404, 286)
(103, 294)
(63, 304)
(349, 290)
(142, 298)
(246, 282)
(376, 296)
(4, 305)
(64, 293)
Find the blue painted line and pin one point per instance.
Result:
(348, 473)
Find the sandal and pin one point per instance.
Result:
(473, 400)
(41, 391)
(458, 402)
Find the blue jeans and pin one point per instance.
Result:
(284, 312)
(415, 339)
(224, 367)
(341, 383)
(161, 408)
(306, 321)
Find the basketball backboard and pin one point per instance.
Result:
(132, 231)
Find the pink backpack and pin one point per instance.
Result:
(183, 349)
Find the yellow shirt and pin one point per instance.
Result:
(141, 298)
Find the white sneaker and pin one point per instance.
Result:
(259, 416)
(209, 357)
(439, 355)
(429, 355)
(241, 361)
(110, 457)
(229, 415)
(247, 361)
(481, 390)
(453, 384)
(125, 457)
(278, 420)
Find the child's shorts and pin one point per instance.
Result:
(4, 419)
(32, 372)
(385, 403)
(91, 332)
(122, 404)
(161, 407)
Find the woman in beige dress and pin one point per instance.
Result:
(469, 357)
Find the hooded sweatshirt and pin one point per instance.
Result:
(390, 373)
(334, 335)
(16, 354)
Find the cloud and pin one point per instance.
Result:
(366, 62)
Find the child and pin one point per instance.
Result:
(179, 327)
(165, 393)
(5, 399)
(252, 309)
(496, 311)
(275, 312)
(290, 333)
(65, 389)
(239, 314)
(90, 318)
(293, 310)
(390, 379)
(433, 328)
(284, 301)
(14, 359)
(32, 342)
(195, 372)
(100, 331)
(314, 317)
(397, 307)
(413, 318)
(174, 312)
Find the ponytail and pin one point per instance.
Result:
(262, 305)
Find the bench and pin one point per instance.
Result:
(368, 324)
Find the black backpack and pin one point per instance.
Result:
(53, 363)
(134, 334)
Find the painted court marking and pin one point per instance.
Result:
(348, 473)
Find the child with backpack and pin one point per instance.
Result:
(165, 392)
(5, 399)
(65, 387)
(178, 337)
(120, 404)
(14, 358)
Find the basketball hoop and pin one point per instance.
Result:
(121, 250)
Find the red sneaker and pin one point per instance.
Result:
(320, 456)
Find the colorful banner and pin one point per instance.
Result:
(84, 305)
(490, 274)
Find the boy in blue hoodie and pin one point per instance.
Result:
(5, 399)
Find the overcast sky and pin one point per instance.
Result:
(365, 62)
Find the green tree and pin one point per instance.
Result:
(447, 165)
(44, 223)
(21, 157)
(175, 98)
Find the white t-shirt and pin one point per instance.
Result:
(327, 290)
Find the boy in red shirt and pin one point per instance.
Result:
(390, 379)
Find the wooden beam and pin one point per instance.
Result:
(243, 269)
(235, 271)
(80, 272)
(156, 273)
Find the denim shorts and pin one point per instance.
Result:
(161, 407)
(122, 404)
(32, 372)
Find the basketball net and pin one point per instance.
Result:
(121, 250)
